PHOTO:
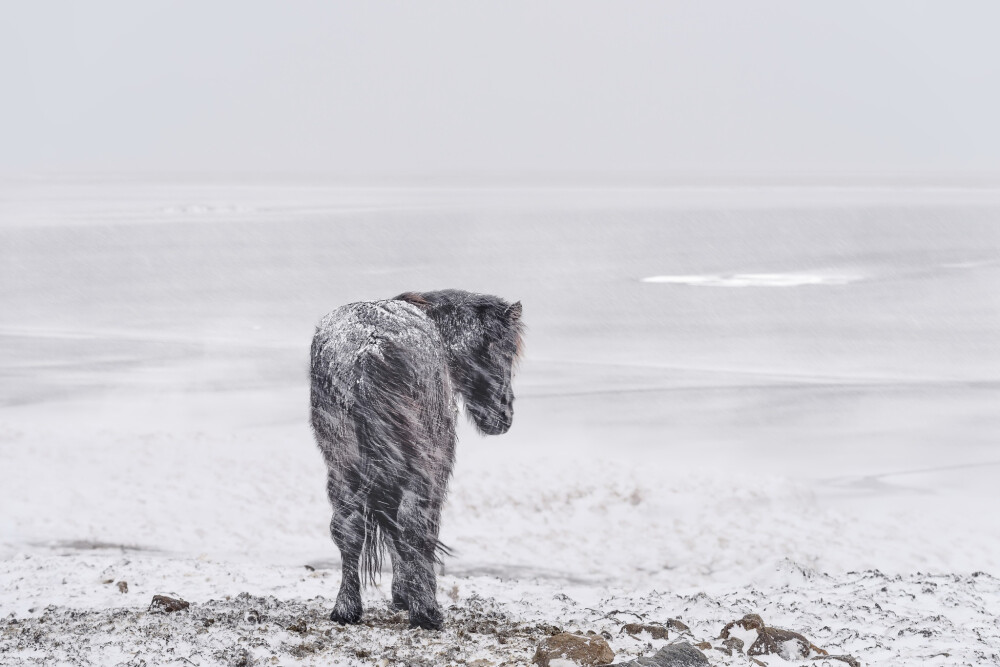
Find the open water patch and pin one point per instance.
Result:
(755, 279)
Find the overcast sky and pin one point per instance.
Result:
(514, 87)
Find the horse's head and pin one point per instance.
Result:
(486, 386)
(483, 335)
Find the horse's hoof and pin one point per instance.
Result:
(345, 618)
(432, 620)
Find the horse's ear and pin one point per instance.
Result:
(416, 299)
(513, 311)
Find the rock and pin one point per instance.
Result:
(299, 625)
(655, 631)
(785, 643)
(678, 625)
(162, 603)
(734, 644)
(241, 657)
(748, 622)
(573, 649)
(849, 659)
(681, 654)
(792, 649)
(123, 587)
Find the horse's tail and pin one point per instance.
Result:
(384, 427)
(372, 548)
(380, 458)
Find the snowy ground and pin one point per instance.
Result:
(819, 452)
(575, 541)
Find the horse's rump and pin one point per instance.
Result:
(395, 414)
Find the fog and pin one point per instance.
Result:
(520, 89)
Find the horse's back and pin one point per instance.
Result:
(380, 388)
(355, 337)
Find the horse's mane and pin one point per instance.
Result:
(517, 327)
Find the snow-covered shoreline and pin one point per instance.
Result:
(560, 538)
(821, 455)
(246, 614)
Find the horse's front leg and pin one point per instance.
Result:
(417, 521)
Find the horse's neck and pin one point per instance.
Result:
(458, 340)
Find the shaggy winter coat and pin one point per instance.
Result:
(385, 379)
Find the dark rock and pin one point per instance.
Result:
(123, 586)
(582, 650)
(162, 603)
(681, 654)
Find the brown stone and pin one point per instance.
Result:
(655, 631)
(299, 625)
(849, 659)
(678, 625)
(582, 650)
(162, 603)
(734, 644)
(789, 645)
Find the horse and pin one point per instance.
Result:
(385, 381)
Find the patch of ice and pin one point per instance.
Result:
(755, 279)
(972, 264)
(206, 209)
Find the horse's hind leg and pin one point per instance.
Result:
(348, 530)
(415, 541)
(399, 597)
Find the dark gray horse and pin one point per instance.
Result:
(385, 378)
